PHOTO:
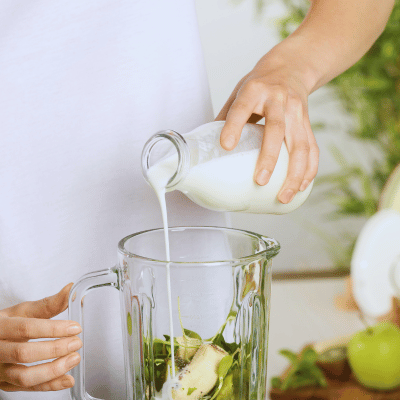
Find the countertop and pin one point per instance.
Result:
(302, 312)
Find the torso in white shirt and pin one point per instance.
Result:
(82, 87)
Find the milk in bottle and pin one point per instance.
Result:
(214, 178)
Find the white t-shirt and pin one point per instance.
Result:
(83, 84)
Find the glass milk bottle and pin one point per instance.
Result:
(214, 178)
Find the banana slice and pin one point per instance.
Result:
(200, 375)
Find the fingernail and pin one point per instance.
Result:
(74, 329)
(286, 196)
(67, 382)
(74, 345)
(229, 141)
(304, 185)
(262, 177)
(72, 361)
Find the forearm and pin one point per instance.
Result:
(334, 35)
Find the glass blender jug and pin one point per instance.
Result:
(220, 291)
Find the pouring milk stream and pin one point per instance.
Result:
(214, 178)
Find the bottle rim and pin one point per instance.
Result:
(182, 151)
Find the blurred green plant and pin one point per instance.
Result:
(302, 372)
(370, 93)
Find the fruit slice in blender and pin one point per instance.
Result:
(200, 376)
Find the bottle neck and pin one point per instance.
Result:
(169, 151)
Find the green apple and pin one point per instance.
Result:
(374, 356)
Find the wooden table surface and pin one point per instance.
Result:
(303, 311)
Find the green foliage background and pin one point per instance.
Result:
(370, 92)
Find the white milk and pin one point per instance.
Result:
(226, 183)
(158, 182)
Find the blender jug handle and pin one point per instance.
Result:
(93, 280)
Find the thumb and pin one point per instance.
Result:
(45, 308)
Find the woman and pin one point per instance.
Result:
(83, 85)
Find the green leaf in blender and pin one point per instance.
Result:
(223, 368)
(227, 390)
(231, 348)
(206, 369)
(190, 334)
(224, 365)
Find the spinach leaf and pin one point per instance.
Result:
(223, 368)
(190, 334)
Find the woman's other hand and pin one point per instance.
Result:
(30, 320)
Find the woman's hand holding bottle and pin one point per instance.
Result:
(274, 90)
(331, 38)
